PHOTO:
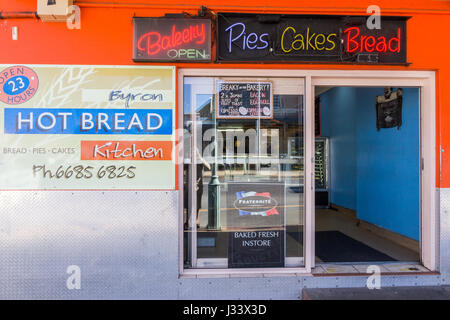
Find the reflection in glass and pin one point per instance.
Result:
(243, 179)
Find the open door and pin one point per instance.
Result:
(375, 167)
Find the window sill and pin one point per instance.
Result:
(240, 273)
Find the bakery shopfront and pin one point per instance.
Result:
(251, 200)
(221, 153)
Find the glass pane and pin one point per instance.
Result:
(244, 188)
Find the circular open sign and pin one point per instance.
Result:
(18, 84)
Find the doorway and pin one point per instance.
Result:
(371, 170)
(201, 255)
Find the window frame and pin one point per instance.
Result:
(429, 218)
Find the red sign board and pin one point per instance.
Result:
(171, 39)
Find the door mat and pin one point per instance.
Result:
(331, 246)
(334, 246)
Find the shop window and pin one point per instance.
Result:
(243, 172)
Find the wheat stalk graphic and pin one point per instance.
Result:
(58, 92)
(64, 86)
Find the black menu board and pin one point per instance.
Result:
(244, 100)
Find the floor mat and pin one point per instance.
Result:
(331, 246)
(334, 246)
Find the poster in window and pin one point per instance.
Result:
(256, 225)
(244, 100)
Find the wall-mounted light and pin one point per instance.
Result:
(51, 2)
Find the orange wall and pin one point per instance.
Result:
(106, 32)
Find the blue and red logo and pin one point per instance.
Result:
(255, 203)
(18, 84)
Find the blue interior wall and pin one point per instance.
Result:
(379, 169)
(338, 121)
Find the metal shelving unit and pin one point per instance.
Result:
(321, 172)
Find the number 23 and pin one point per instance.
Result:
(13, 84)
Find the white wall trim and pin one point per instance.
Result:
(426, 81)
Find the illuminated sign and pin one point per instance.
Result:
(310, 38)
(171, 39)
(355, 42)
